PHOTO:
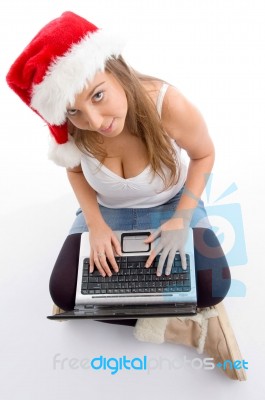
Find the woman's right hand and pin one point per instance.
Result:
(103, 244)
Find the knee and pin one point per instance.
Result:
(63, 279)
(212, 289)
(60, 295)
(207, 246)
(212, 270)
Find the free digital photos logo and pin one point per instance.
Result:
(226, 221)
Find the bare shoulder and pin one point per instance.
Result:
(75, 169)
(179, 115)
(184, 123)
(152, 87)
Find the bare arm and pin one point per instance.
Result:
(184, 123)
(102, 239)
(85, 195)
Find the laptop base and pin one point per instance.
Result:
(127, 312)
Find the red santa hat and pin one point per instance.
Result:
(54, 67)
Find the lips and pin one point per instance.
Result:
(108, 128)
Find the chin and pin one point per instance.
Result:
(111, 134)
(119, 128)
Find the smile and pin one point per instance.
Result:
(108, 129)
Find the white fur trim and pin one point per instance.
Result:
(207, 313)
(202, 338)
(150, 329)
(202, 319)
(153, 329)
(66, 155)
(68, 74)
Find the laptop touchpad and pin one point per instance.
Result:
(134, 242)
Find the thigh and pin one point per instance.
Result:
(212, 270)
(64, 275)
(117, 218)
(142, 218)
(152, 218)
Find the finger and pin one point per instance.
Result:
(91, 261)
(150, 259)
(170, 261)
(91, 265)
(101, 264)
(153, 236)
(153, 255)
(161, 262)
(183, 258)
(111, 259)
(99, 268)
(116, 245)
(104, 265)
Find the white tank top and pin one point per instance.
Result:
(141, 191)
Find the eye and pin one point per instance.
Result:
(98, 96)
(72, 112)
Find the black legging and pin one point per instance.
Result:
(212, 272)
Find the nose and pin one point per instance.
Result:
(93, 118)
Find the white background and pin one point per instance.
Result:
(213, 51)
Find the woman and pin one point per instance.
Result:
(119, 135)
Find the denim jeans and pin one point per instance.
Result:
(125, 219)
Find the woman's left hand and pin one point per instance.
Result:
(173, 236)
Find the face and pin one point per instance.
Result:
(101, 106)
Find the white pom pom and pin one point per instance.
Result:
(66, 155)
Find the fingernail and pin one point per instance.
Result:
(158, 274)
(146, 265)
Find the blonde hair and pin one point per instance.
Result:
(142, 120)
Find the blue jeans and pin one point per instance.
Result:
(125, 219)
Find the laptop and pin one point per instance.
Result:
(134, 291)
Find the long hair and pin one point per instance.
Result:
(142, 120)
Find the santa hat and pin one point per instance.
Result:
(54, 67)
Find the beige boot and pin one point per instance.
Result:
(209, 331)
(57, 310)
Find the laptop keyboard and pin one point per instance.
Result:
(133, 277)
